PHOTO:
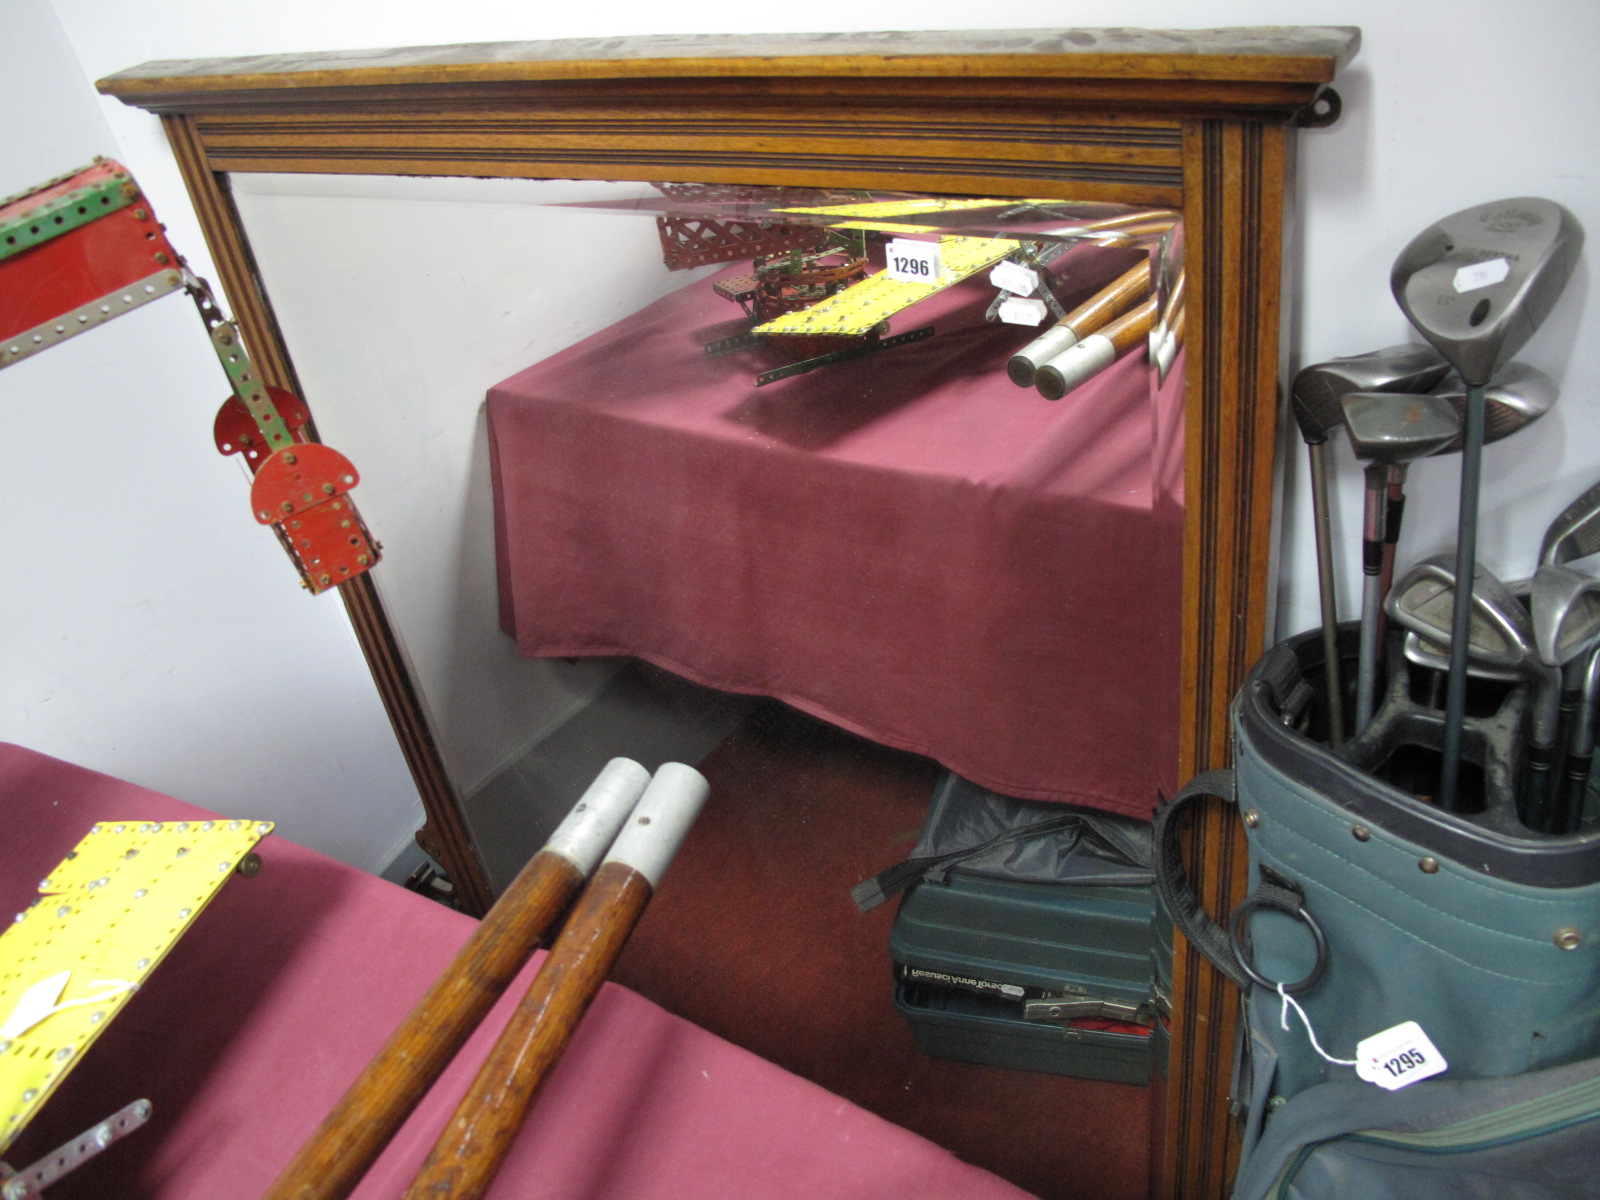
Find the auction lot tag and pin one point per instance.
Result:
(1398, 1057)
(1481, 275)
(914, 262)
(1014, 277)
(1017, 311)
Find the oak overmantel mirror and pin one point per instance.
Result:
(606, 236)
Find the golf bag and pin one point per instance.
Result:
(1373, 917)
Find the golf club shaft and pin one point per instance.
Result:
(1455, 703)
(1394, 513)
(1377, 482)
(1318, 454)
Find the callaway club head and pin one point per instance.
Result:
(1517, 396)
(1478, 283)
(1575, 533)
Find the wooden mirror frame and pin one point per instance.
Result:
(1202, 120)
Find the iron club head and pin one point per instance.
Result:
(1575, 533)
(1478, 283)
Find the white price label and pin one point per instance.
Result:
(914, 262)
(1398, 1057)
(1016, 311)
(1013, 277)
(1481, 275)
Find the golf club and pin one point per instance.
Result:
(1580, 749)
(1387, 432)
(1314, 400)
(1476, 285)
(1575, 533)
(1499, 630)
(1519, 395)
(1565, 606)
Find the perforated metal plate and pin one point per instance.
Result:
(104, 918)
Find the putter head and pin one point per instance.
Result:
(1395, 428)
(1517, 396)
(1478, 283)
(1566, 614)
(1317, 389)
(1423, 600)
(1575, 533)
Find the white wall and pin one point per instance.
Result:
(151, 629)
(1447, 104)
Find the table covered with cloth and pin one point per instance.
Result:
(907, 545)
(286, 985)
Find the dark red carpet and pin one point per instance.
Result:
(753, 935)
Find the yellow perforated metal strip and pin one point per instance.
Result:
(861, 307)
(105, 917)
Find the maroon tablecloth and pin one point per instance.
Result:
(266, 1010)
(908, 545)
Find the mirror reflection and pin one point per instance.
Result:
(870, 504)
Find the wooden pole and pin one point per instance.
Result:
(344, 1147)
(469, 1153)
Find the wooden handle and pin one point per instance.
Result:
(1106, 304)
(1079, 323)
(1096, 352)
(345, 1145)
(464, 1161)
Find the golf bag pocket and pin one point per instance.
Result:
(1371, 912)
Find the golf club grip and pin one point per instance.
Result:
(331, 1164)
(475, 1142)
(1333, 685)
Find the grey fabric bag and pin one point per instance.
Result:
(1372, 909)
(1534, 1136)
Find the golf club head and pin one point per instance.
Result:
(1395, 428)
(1517, 396)
(1423, 653)
(1423, 600)
(1575, 533)
(1478, 283)
(1317, 389)
(1566, 614)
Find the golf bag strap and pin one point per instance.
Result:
(1188, 913)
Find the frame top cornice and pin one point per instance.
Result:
(1272, 67)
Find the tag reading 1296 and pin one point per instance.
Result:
(914, 262)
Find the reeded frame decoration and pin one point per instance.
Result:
(1202, 120)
